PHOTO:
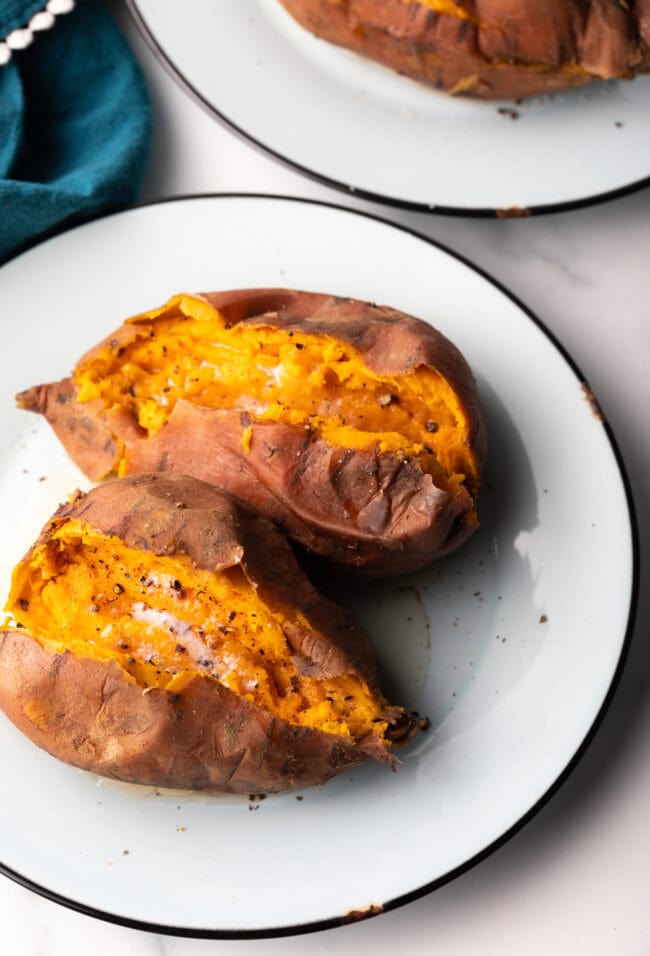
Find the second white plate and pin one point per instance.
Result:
(360, 127)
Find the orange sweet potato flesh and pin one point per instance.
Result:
(490, 48)
(356, 428)
(161, 635)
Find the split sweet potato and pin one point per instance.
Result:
(490, 48)
(356, 428)
(158, 634)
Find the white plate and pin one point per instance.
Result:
(358, 126)
(511, 699)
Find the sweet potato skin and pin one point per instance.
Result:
(92, 715)
(498, 49)
(372, 512)
(89, 715)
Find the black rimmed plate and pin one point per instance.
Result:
(355, 125)
(511, 657)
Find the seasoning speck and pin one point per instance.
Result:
(543, 619)
(354, 916)
(513, 212)
(385, 398)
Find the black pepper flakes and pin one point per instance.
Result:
(118, 589)
(432, 427)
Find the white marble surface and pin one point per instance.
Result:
(576, 880)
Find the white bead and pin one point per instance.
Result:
(41, 21)
(5, 54)
(19, 39)
(58, 7)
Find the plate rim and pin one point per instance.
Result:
(298, 929)
(475, 212)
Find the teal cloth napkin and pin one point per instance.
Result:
(74, 123)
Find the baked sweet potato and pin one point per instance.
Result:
(490, 48)
(355, 428)
(160, 635)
